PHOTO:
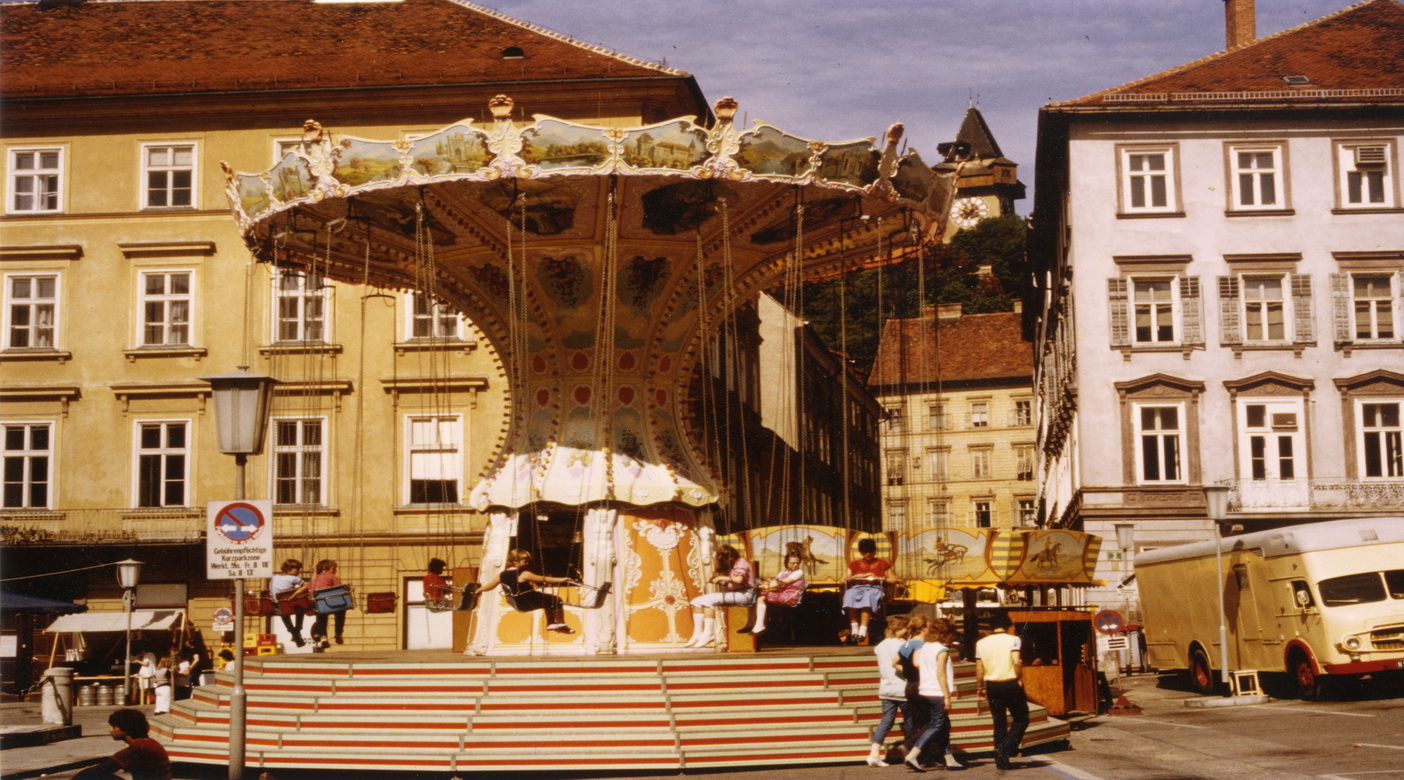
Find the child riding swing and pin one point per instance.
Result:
(519, 585)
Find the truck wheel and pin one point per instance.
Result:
(1201, 674)
(1309, 683)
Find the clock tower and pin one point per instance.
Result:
(987, 182)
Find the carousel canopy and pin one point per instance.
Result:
(598, 260)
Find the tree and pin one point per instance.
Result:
(950, 274)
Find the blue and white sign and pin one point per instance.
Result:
(239, 540)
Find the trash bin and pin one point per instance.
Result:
(57, 703)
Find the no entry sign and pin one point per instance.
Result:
(239, 540)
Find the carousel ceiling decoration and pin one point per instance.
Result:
(598, 260)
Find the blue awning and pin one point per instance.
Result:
(20, 603)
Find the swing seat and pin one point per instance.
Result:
(465, 599)
(600, 594)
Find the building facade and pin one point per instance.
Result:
(957, 435)
(1218, 257)
(126, 282)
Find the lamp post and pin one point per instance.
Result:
(241, 415)
(128, 574)
(1216, 506)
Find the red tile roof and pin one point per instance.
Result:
(972, 348)
(140, 47)
(1355, 55)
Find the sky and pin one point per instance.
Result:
(835, 70)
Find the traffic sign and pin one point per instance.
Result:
(1108, 621)
(239, 540)
(223, 620)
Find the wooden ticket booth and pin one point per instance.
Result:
(1059, 651)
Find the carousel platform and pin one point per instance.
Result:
(434, 710)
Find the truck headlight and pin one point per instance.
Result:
(1351, 643)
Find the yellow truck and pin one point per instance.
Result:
(1320, 601)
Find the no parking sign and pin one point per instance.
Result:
(239, 540)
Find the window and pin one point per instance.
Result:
(1366, 174)
(936, 417)
(1023, 413)
(298, 455)
(1272, 432)
(1154, 311)
(897, 516)
(1263, 308)
(937, 461)
(1256, 177)
(1028, 514)
(430, 319)
(300, 309)
(1362, 588)
(36, 177)
(979, 414)
(1381, 440)
(1372, 306)
(1024, 462)
(31, 307)
(939, 513)
(435, 459)
(982, 514)
(1147, 180)
(1160, 440)
(28, 457)
(165, 305)
(980, 463)
(169, 172)
(162, 458)
(893, 419)
(896, 466)
(1266, 309)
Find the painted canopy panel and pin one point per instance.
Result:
(598, 260)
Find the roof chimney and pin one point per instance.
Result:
(1240, 22)
(948, 311)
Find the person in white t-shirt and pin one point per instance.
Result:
(892, 688)
(937, 687)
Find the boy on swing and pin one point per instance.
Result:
(519, 582)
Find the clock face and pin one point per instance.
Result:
(968, 211)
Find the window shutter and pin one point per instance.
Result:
(1340, 306)
(1398, 305)
(1189, 311)
(1116, 303)
(1230, 326)
(1305, 332)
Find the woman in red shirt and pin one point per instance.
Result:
(866, 580)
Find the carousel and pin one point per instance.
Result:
(601, 263)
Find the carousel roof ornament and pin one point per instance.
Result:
(597, 259)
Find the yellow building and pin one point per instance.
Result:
(958, 437)
(126, 281)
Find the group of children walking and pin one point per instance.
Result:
(916, 666)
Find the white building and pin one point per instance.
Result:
(1219, 252)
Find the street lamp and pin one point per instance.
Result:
(128, 574)
(1216, 506)
(241, 416)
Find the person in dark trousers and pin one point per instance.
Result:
(143, 757)
(999, 679)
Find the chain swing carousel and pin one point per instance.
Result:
(600, 263)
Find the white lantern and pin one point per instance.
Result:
(241, 410)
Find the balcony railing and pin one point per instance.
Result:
(1315, 495)
(99, 526)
